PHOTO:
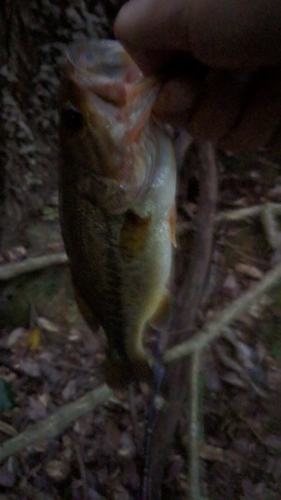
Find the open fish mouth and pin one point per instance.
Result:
(123, 99)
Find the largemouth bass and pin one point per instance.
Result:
(117, 201)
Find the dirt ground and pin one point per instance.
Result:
(49, 358)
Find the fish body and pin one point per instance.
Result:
(117, 200)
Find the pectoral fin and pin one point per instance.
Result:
(133, 236)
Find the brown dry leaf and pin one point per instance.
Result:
(14, 336)
(7, 478)
(47, 325)
(214, 453)
(245, 355)
(16, 254)
(30, 367)
(127, 447)
(249, 271)
(36, 409)
(233, 379)
(94, 495)
(57, 470)
(231, 286)
(70, 390)
(120, 493)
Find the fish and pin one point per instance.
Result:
(117, 188)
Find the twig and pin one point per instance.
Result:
(56, 423)
(82, 469)
(250, 258)
(186, 307)
(270, 225)
(8, 429)
(194, 466)
(71, 366)
(239, 214)
(9, 271)
(231, 313)
(243, 213)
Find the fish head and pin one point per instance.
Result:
(106, 128)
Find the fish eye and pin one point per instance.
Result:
(72, 118)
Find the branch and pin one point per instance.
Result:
(9, 271)
(231, 313)
(243, 213)
(194, 465)
(55, 423)
(186, 307)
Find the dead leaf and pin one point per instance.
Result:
(231, 286)
(248, 270)
(7, 478)
(36, 409)
(14, 336)
(233, 379)
(127, 449)
(35, 338)
(70, 390)
(57, 470)
(16, 254)
(47, 325)
(30, 367)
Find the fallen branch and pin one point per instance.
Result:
(9, 271)
(231, 313)
(194, 465)
(55, 423)
(243, 213)
(186, 307)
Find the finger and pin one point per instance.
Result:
(176, 100)
(261, 116)
(232, 34)
(183, 79)
(151, 24)
(150, 31)
(218, 105)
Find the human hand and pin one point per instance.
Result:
(220, 63)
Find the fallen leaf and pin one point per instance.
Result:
(69, 390)
(231, 286)
(47, 325)
(233, 379)
(7, 478)
(36, 409)
(14, 336)
(30, 367)
(57, 470)
(248, 270)
(35, 338)
(127, 449)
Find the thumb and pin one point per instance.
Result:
(219, 33)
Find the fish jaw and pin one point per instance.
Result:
(104, 85)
